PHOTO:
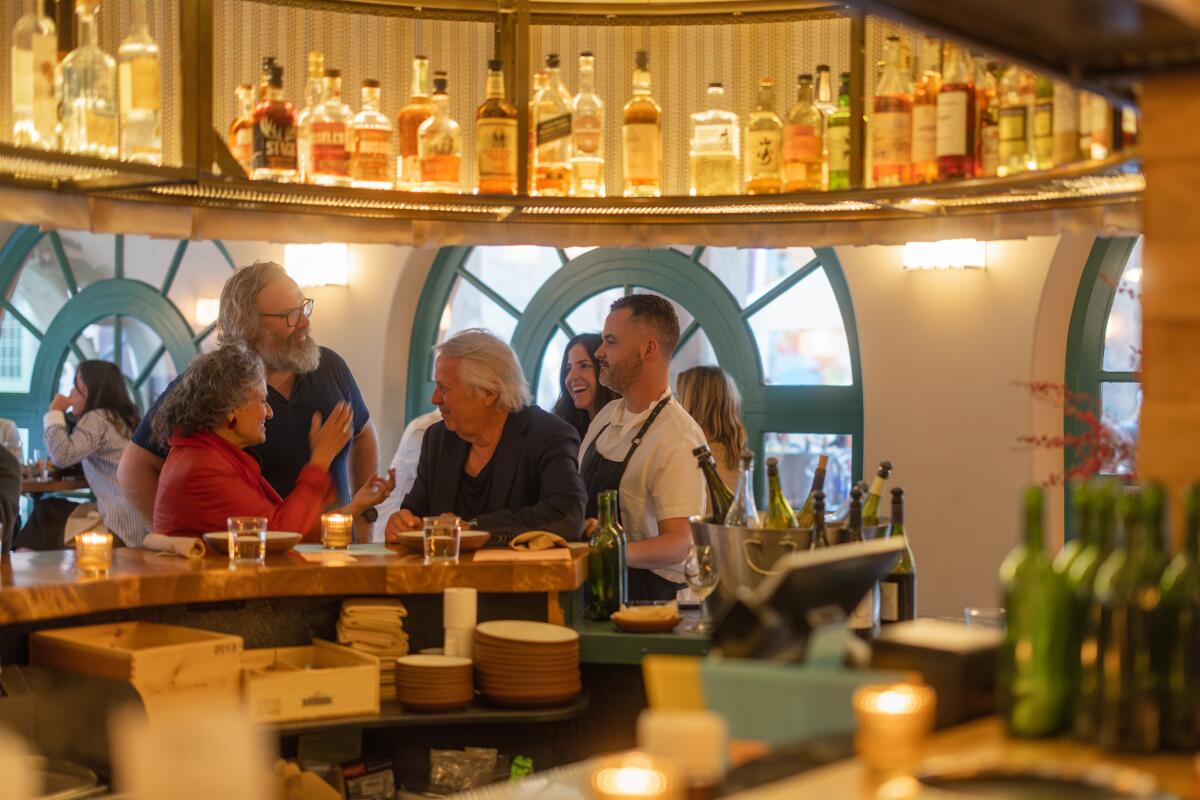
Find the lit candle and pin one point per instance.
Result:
(336, 530)
(93, 552)
(893, 722)
(635, 775)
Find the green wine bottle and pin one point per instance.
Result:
(819, 539)
(1181, 604)
(1080, 494)
(1032, 680)
(871, 504)
(864, 619)
(1081, 583)
(720, 498)
(779, 511)
(898, 589)
(837, 138)
(804, 519)
(606, 562)
(1072, 622)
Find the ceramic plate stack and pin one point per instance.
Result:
(375, 625)
(434, 683)
(522, 663)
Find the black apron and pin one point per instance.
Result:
(600, 475)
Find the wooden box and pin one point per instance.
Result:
(297, 683)
(168, 665)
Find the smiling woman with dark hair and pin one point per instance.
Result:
(581, 395)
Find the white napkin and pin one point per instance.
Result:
(458, 608)
(177, 545)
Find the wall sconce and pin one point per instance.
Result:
(946, 254)
(207, 310)
(326, 264)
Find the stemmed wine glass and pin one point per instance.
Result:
(700, 569)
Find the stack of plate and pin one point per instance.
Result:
(434, 683)
(527, 663)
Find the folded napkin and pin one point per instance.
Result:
(176, 545)
(537, 540)
(657, 611)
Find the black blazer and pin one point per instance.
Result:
(535, 486)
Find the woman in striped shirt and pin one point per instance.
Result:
(106, 419)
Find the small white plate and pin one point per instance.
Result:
(277, 541)
(430, 660)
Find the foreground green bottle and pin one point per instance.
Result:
(1181, 601)
(1081, 583)
(720, 498)
(1033, 675)
(1083, 522)
(607, 579)
(779, 510)
(898, 589)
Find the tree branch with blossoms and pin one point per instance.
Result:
(1097, 446)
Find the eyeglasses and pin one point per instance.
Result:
(292, 317)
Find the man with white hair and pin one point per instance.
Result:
(494, 460)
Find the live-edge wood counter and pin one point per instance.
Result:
(44, 586)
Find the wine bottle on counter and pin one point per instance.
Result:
(805, 518)
(779, 511)
(864, 620)
(819, 538)
(1081, 582)
(898, 589)
(743, 513)
(1034, 681)
(871, 504)
(606, 562)
(720, 498)
(1181, 600)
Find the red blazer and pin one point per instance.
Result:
(206, 479)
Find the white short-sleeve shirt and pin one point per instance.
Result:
(662, 480)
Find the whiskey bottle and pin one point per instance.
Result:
(274, 134)
(408, 121)
(956, 118)
(241, 130)
(1066, 123)
(764, 143)
(641, 136)
(714, 150)
(371, 159)
(1016, 103)
(34, 100)
(264, 78)
(803, 141)
(552, 126)
(496, 138)
(139, 77)
(313, 98)
(587, 133)
(1043, 122)
(330, 132)
(987, 120)
(837, 138)
(539, 83)
(89, 92)
(440, 140)
(926, 93)
(891, 122)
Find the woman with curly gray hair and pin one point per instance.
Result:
(218, 409)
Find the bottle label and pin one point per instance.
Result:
(23, 80)
(372, 158)
(410, 168)
(889, 601)
(891, 134)
(838, 142)
(952, 124)
(440, 158)
(1043, 120)
(989, 150)
(586, 133)
(801, 143)
(642, 151)
(926, 131)
(139, 81)
(274, 143)
(762, 153)
(101, 127)
(553, 129)
(329, 153)
(1066, 109)
(1012, 124)
(496, 148)
(713, 138)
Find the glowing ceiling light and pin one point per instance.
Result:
(326, 264)
(946, 254)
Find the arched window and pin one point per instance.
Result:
(780, 321)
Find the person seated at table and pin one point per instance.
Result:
(713, 400)
(494, 460)
(105, 419)
(218, 409)
(581, 396)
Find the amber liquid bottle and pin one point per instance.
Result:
(418, 109)
(274, 156)
(496, 138)
(241, 130)
(956, 119)
(924, 113)
(891, 122)
(641, 136)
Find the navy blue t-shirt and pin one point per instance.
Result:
(286, 449)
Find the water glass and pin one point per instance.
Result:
(441, 539)
(336, 531)
(247, 540)
(700, 569)
(984, 618)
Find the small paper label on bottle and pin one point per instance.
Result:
(763, 153)
(989, 150)
(838, 141)
(801, 143)
(1012, 124)
(890, 138)
(23, 78)
(889, 602)
(329, 153)
(140, 83)
(101, 128)
(372, 156)
(275, 143)
(553, 129)
(1066, 109)
(952, 124)
(1043, 120)
(642, 151)
(586, 132)
(713, 138)
(496, 148)
(926, 131)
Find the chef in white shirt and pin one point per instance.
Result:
(404, 463)
(641, 445)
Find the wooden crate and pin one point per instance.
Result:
(297, 683)
(169, 666)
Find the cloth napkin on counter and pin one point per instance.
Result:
(537, 540)
(175, 545)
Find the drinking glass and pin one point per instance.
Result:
(984, 617)
(247, 540)
(336, 531)
(39, 465)
(441, 539)
(700, 569)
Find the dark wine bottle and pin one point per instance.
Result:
(805, 516)
(1081, 582)
(864, 620)
(898, 589)
(719, 495)
(606, 562)
(819, 539)
(1181, 604)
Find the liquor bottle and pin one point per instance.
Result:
(1085, 125)
(496, 138)
(779, 511)
(539, 83)
(1065, 123)
(641, 136)
(925, 99)
(956, 118)
(1081, 581)
(606, 561)
(241, 130)
(440, 141)
(34, 100)
(898, 589)
(764, 143)
(1033, 679)
(891, 122)
(871, 504)
(819, 537)
(1181, 602)
(89, 92)
(837, 137)
(743, 512)
(408, 121)
(1101, 143)
(1043, 122)
(864, 619)
(987, 115)
(264, 78)
(1129, 127)
(803, 141)
(826, 102)
(372, 164)
(720, 498)
(808, 515)
(1016, 99)
(139, 78)
(330, 134)
(274, 134)
(551, 123)
(714, 150)
(587, 133)
(313, 99)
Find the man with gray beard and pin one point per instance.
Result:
(263, 309)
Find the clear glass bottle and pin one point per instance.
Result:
(372, 162)
(551, 124)
(823, 97)
(956, 118)
(33, 95)
(714, 151)
(241, 130)
(274, 134)
(539, 83)
(496, 138)
(329, 130)
(89, 92)
(1043, 122)
(587, 133)
(924, 113)
(891, 122)
(641, 136)
(139, 75)
(764, 143)
(313, 98)
(743, 512)
(1016, 103)
(440, 140)
(803, 142)
(837, 137)
(987, 116)
(408, 121)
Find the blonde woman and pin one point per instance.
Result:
(713, 400)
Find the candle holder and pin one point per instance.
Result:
(93, 552)
(893, 722)
(635, 776)
(337, 530)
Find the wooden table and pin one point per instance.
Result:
(35, 487)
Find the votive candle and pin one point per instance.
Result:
(336, 530)
(93, 552)
(636, 776)
(893, 722)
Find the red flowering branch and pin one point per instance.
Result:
(1098, 446)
